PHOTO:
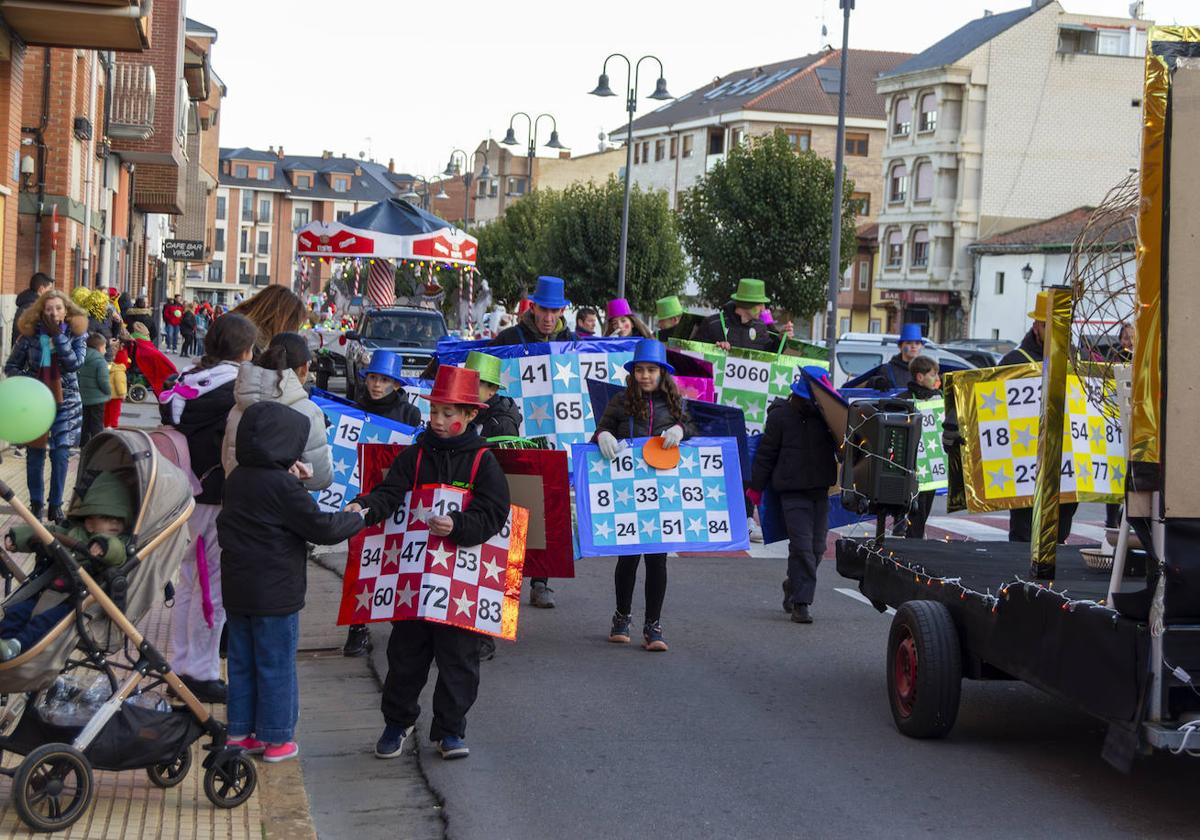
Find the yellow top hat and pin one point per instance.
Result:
(1039, 307)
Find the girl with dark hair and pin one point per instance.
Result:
(197, 403)
(651, 405)
(278, 376)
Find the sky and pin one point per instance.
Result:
(414, 80)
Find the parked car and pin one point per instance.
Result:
(412, 332)
(977, 356)
(858, 353)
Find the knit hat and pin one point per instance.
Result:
(108, 496)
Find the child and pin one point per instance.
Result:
(118, 383)
(99, 525)
(95, 388)
(650, 406)
(447, 452)
(620, 322)
(264, 524)
(501, 418)
(925, 385)
(797, 455)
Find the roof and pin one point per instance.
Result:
(1055, 234)
(371, 184)
(962, 41)
(195, 27)
(790, 86)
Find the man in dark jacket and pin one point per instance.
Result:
(895, 374)
(39, 283)
(543, 321)
(739, 323)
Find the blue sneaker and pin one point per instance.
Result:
(453, 747)
(392, 742)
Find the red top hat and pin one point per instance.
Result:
(456, 386)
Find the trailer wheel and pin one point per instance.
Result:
(924, 669)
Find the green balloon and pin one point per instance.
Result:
(26, 409)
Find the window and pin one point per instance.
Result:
(264, 242)
(847, 279)
(687, 145)
(262, 275)
(646, 152)
(494, 188)
(923, 186)
(245, 241)
(920, 249)
(263, 173)
(902, 117)
(244, 271)
(300, 219)
(864, 275)
(264, 209)
(876, 326)
(674, 143)
(862, 203)
(737, 136)
(843, 325)
(995, 333)
(1076, 40)
(341, 184)
(341, 214)
(220, 240)
(1112, 43)
(660, 150)
(637, 156)
(857, 144)
(928, 112)
(481, 192)
(247, 206)
(241, 171)
(800, 140)
(220, 207)
(516, 186)
(216, 271)
(898, 183)
(999, 282)
(304, 182)
(716, 141)
(895, 249)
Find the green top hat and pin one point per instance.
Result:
(750, 290)
(488, 367)
(668, 307)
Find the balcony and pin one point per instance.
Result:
(244, 279)
(133, 98)
(99, 24)
(216, 273)
(262, 279)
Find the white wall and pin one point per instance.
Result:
(1008, 312)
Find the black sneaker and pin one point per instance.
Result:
(392, 742)
(358, 641)
(206, 691)
(620, 629)
(652, 637)
(36, 509)
(801, 614)
(56, 515)
(787, 596)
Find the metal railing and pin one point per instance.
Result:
(133, 98)
(262, 279)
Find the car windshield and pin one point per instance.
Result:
(856, 363)
(404, 329)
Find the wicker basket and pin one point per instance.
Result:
(1096, 559)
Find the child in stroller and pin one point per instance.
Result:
(100, 528)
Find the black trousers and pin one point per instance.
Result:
(806, 515)
(625, 579)
(1020, 523)
(412, 648)
(93, 422)
(914, 526)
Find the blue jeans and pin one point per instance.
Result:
(172, 339)
(264, 695)
(35, 474)
(21, 624)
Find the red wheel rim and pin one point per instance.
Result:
(904, 675)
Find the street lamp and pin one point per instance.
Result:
(602, 89)
(1027, 272)
(452, 169)
(426, 198)
(510, 138)
(839, 175)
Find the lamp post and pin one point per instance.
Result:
(510, 138)
(839, 174)
(426, 198)
(452, 169)
(602, 89)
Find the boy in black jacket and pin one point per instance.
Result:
(264, 527)
(501, 418)
(449, 450)
(798, 456)
(926, 384)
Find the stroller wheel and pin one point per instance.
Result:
(52, 787)
(137, 393)
(229, 783)
(173, 772)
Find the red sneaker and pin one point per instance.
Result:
(249, 744)
(275, 753)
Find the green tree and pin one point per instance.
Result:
(583, 240)
(764, 211)
(512, 248)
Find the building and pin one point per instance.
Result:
(857, 294)
(1013, 118)
(1013, 267)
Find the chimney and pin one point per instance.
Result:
(357, 170)
(326, 154)
(564, 154)
(270, 150)
(281, 152)
(391, 164)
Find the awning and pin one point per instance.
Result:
(392, 229)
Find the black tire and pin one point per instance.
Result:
(137, 393)
(924, 669)
(170, 774)
(322, 378)
(233, 784)
(53, 787)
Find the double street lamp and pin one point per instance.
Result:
(425, 195)
(660, 92)
(452, 169)
(510, 138)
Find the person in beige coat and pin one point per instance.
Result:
(278, 376)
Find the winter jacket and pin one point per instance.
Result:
(501, 418)
(617, 421)
(1030, 350)
(797, 452)
(268, 516)
(144, 316)
(23, 302)
(118, 381)
(447, 461)
(524, 332)
(254, 385)
(395, 406)
(892, 375)
(753, 335)
(68, 350)
(197, 403)
(94, 385)
(115, 549)
(172, 314)
(920, 392)
(187, 324)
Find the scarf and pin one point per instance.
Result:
(49, 375)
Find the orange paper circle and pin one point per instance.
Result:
(659, 457)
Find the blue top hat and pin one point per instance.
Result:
(910, 332)
(549, 293)
(385, 363)
(801, 387)
(649, 351)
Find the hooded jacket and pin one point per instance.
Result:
(618, 422)
(752, 336)
(68, 349)
(254, 385)
(268, 516)
(395, 406)
(198, 403)
(447, 461)
(797, 453)
(502, 418)
(525, 332)
(894, 374)
(94, 385)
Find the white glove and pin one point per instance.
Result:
(672, 436)
(609, 447)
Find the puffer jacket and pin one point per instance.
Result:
(95, 388)
(69, 350)
(197, 403)
(502, 418)
(797, 453)
(254, 385)
(618, 422)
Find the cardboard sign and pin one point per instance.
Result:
(931, 458)
(349, 427)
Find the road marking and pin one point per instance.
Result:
(858, 596)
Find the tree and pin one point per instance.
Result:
(511, 248)
(583, 241)
(764, 212)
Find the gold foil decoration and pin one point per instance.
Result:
(1057, 343)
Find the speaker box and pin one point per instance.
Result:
(880, 455)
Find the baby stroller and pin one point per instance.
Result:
(53, 786)
(139, 386)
